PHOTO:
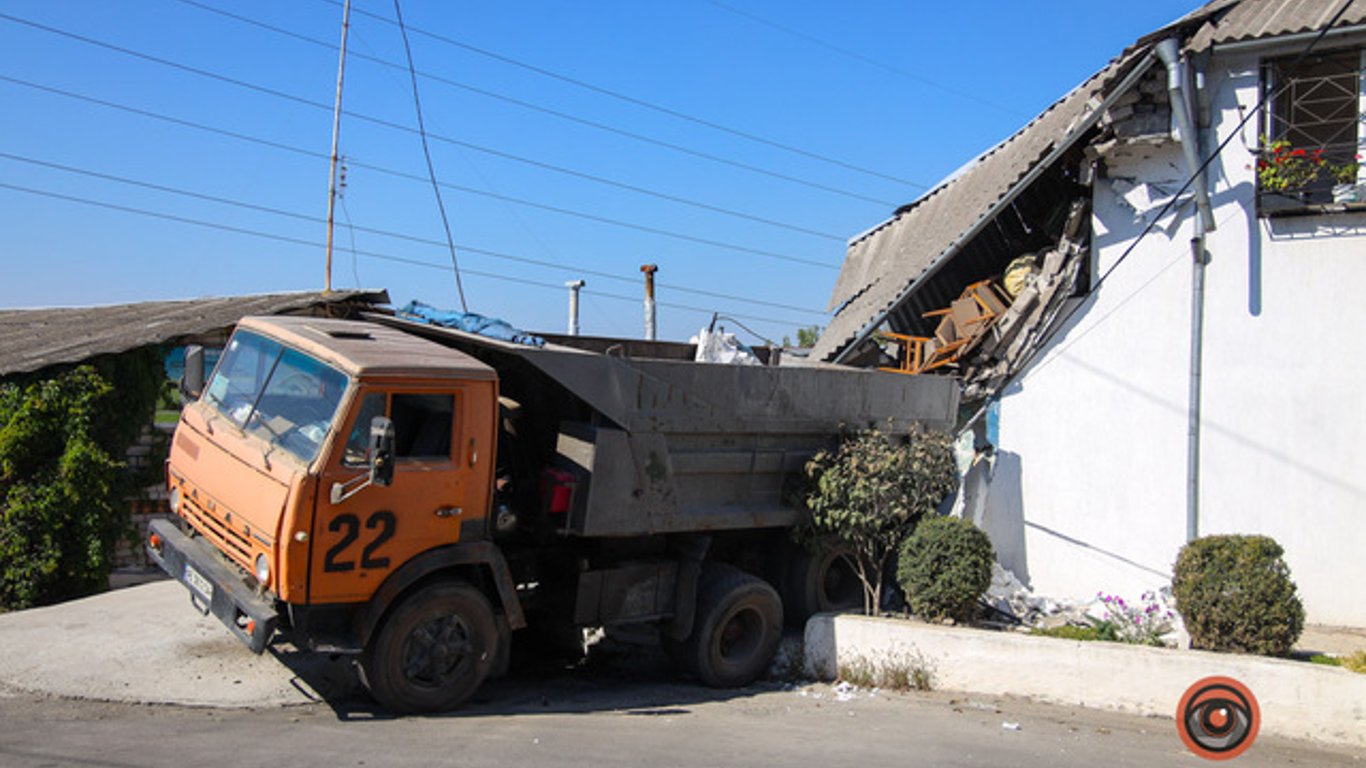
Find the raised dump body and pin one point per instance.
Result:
(670, 445)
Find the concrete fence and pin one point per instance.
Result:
(1297, 699)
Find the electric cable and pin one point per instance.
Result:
(510, 156)
(388, 233)
(426, 153)
(647, 104)
(368, 254)
(414, 177)
(605, 127)
(863, 58)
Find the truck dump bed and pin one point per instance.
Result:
(665, 445)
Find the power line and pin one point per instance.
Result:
(368, 254)
(413, 177)
(556, 113)
(865, 59)
(265, 90)
(385, 233)
(426, 153)
(647, 104)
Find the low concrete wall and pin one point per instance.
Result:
(1297, 699)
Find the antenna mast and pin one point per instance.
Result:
(336, 129)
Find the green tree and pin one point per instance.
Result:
(806, 337)
(64, 490)
(871, 492)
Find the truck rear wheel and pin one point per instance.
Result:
(433, 651)
(738, 626)
(823, 581)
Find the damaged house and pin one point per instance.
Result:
(1149, 293)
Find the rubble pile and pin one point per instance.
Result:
(1009, 597)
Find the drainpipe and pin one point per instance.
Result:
(1181, 104)
(574, 286)
(649, 270)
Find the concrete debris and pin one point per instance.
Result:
(1010, 726)
(1155, 611)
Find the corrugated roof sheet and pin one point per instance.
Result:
(885, 261)
(1230, 22)
(881, 264)
(33, 339)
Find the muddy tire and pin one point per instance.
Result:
(433, 651)
(738, 626)
(824, 581)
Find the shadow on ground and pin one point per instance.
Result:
(631, 677)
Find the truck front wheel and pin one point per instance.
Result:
(433, 651)
(738, 626)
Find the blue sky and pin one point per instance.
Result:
(166, 149)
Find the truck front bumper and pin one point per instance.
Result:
(215, 586)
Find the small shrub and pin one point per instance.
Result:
(1101, 631)
(897, 671)
(871, 491)
(1355, 661)
(1235, 594)
(944, 567)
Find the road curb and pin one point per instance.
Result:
(1298, 700)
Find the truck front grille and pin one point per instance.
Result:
(229, 541)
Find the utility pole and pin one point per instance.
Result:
(649, 270)
(574, 286)
(336, 131)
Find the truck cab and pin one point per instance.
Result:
(322, 458)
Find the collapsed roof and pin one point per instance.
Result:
(1014, 198)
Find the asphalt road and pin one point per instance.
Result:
(621, 707)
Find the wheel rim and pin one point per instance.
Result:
(739, 639)
(438, 652)
(840, 586)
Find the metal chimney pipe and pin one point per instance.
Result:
(649, 270)
(574, 286)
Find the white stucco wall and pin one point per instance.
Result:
(1089, 491)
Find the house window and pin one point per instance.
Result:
(1308, 154)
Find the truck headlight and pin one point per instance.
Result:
(262, 569)
(174, 502)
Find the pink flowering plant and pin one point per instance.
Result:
(1142, 624)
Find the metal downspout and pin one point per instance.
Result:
(1178, 89)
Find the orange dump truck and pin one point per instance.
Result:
(414, 495)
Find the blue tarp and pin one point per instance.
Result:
(468, 322)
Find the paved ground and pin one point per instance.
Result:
(72, 679)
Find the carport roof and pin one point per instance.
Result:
(33, 339)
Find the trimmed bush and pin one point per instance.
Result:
(944, 567)
(1235, 594)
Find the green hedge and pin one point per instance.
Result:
(64, 489)
(944, 567)
(1235, 594)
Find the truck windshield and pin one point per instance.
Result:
(278, 393)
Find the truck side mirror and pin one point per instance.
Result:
(192, 377)
(381, 451)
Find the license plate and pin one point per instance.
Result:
(198, 583)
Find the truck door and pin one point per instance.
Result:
(358, 542)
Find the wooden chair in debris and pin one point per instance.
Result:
(961, 326)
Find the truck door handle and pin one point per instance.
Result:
(449, 511)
